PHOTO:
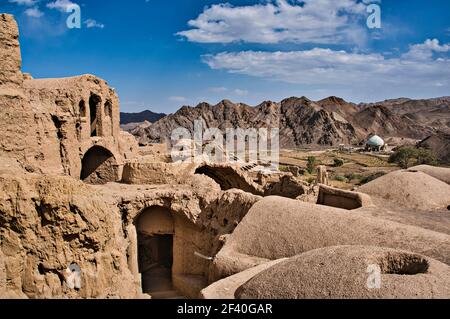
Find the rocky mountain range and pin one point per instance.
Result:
(126, 118)
(129, 121)
(302, 122)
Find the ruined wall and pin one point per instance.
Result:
(202, 214)
(49, 124)
(48, 223)
(156, 173)
(73, 115)
(10, 57)
(16, 114)
(230, 177)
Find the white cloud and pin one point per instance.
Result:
(24, 2)
(34, 12)
(61, 5)
(177, 99)
(218, 89)
(240, 92)
(91, 23)
(325, 67)
(307, 21)
(425, 50)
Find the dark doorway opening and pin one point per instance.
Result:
(94, 103)
(155, 263)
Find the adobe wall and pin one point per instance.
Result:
(156, 173)
(202, 214)
(49, 124)
(16, 114)
(10, 56)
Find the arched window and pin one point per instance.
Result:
(108, 108)
(82, 108)
(94, 102)
(99, 166)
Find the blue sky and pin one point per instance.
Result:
(160, 55)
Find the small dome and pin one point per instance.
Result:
(375, 141)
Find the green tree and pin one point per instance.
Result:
(338, 162)
(403, 156)
(426, 157)
(312, 163)
(406, 156)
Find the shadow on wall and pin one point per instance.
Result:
(99, 166)
(338, 198)
(227, 178)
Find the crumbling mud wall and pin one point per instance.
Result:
(75, 116)
(140, 171)
(11, 61)
(62, 119)
(16, 114)
(287, 186)
(49, 223)
(203, 216)
(229, 177)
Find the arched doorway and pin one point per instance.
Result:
(99, 166)
(155, 231)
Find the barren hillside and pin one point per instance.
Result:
(327, 122)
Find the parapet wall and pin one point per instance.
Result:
(338, 198)
(156, 173)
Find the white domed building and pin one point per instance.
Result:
(375, 144)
